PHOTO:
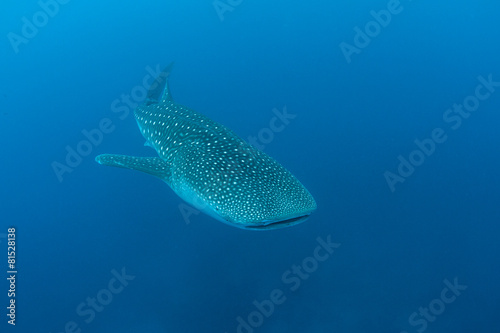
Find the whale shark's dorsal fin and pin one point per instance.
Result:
(159, 90)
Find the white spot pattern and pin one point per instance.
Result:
(240, 183)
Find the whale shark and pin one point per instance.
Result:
(212, 168)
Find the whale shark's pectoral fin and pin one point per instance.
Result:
(153, 165)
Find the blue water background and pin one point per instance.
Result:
(352, 122)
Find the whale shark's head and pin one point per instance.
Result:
(239, 217)
(241, 186)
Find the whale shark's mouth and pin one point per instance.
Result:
(279, 224)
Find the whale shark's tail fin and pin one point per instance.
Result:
(159, 88)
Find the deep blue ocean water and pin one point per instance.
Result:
(394, 131)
